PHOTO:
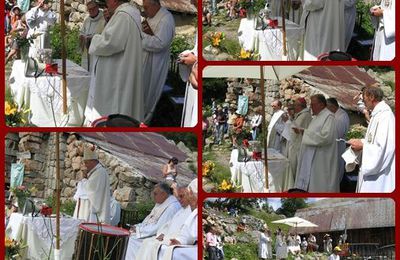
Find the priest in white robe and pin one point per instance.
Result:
(384, 19)
(158, 33)
(116, 86)
(323, 21)
(302, 119)
(97, 188)
(166, 207)
(93, 24)
(188, 73)
(377, 171)
(150, 246)
(317, 167)
(82, 206)
(350, 14)
(40, 19)
(276, 126)
(184, 241)
(342, 126)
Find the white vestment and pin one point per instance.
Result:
(115, 212)
(189, 113)
(150, 246)
(350, 13)
(317, 167)
(385, 27)
(156, 57)
(97, 188)
(377, 172)
(275, 129)
(301, 120)
(342, 125)
(187, 236)
(116, 83)
(82, 206)
(39, 21)
(158, 216)
(90, 27)
(323, 21)
(264, 246)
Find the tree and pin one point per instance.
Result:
(291, 205)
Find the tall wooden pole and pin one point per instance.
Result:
(58, 191)
(283, 27)
(63, 57)
(264, 126)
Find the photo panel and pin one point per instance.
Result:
(298, 228)
(317, 129)
(88, 70)
(295, 30)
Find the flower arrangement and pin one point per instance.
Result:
(13, 249)
(247, 55)
(226, 186)
(15, 116)
(207, 168)
(216, 38)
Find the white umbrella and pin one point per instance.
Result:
(295, 222)
(254, 72)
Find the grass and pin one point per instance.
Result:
(246, 251)
(221, 172)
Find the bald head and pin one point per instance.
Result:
(183, 196)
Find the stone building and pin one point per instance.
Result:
(134, 161)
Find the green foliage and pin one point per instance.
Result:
(246, 251)
(214, 87)
(231, 46)
(291, 205)
(220, 172)
(189, 139)
(143, 209)
(366, 30)
(67, 207)
(179, 44)
(71, 43)
(258, 5)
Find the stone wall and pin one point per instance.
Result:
(288, 89)
(127, 184)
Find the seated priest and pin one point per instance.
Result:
(178, 243)
(167, 230)
(166, 207)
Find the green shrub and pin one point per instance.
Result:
(246, 251)
(231, 46)
(143, 209)
(71, 43)
(179, 44)
(366, 30)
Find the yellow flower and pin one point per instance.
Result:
(9, 109)
(225, 186)
(244, 54)
(9, 242)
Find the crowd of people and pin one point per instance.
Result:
(110, 40)
(294, 245)
(328, 25)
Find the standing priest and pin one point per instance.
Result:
(317, 166)
(377, 172)
(116, 85)
(158, 33)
